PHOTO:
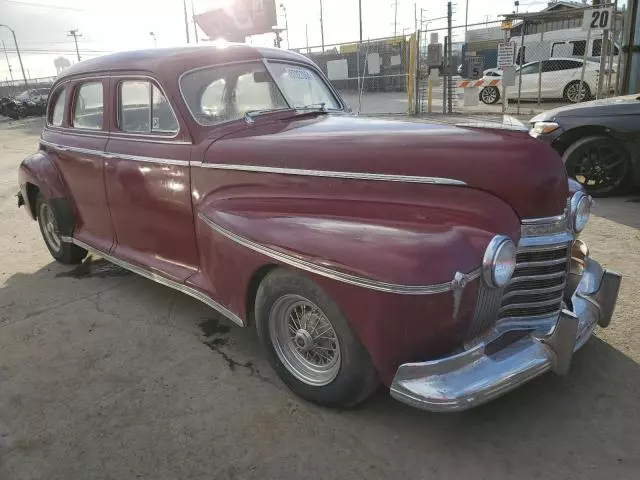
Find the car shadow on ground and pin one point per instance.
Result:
(551, 419)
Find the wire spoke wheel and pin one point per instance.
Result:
(50, 227)
(304, 340)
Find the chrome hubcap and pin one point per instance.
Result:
(50, 227)
(304, 340)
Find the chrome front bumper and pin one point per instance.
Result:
(486, 370)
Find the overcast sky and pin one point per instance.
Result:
(41, 26)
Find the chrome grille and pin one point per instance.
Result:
(538, 282)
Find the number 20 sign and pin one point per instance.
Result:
(598, 19)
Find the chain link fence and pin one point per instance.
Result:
(556, 62)
(372, 76)
(10, 88)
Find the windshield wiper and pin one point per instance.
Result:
(249, 114)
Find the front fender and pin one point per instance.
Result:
(383, 240)
(407, 237)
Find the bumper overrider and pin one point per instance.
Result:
(495, 365)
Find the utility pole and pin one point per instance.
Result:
(395, 18)
(415, 16)
(306, 34)
(74, 33)
(26, 84)
(466, 20)
(195, 25)
(321, 27)
(153, 35)
(186, 20)
(449, 60)
(360, 17)
(8, 64)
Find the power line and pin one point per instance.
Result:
(42, 5)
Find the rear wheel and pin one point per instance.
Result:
(599, 163)
(575, 94)
(489, 95)
(309, 343)
(62, 251)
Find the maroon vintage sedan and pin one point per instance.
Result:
(440, 261)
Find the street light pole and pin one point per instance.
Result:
(195, 25)
(321, 28)
(155, 43)
(74, 33)
(26, 84)
(186, 20)
(8, 64)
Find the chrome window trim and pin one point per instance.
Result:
(192, 292)
(54, 94)
(119, 79)
(120, 156)
(264, 61)
(294, 261)
(333, 174)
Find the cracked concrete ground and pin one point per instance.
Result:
(106, 375)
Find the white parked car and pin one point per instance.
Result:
(559, 78)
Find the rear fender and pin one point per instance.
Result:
(38, 175)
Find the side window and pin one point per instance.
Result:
(89, 106)
(596, 48)
(579, 47)
(531, 68)
(56, 115)
(549, 66)
(144, 109)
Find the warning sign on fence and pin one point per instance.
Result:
(506, 53)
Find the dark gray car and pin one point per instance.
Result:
(599, 141)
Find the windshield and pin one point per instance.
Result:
(229, 92)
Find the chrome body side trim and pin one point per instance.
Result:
(294, 261)
(192, 292)
(494, 365)
(120, 156)
(384, 177)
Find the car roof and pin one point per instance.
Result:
(174, 61)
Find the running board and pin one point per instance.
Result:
(192, 292)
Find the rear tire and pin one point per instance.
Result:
(309, 342)
(489, 95)
(63, 252)
(599, 164)
(574, 94)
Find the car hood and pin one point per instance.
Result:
(525, 173)
(605, 106)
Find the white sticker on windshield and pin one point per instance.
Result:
(298, 74)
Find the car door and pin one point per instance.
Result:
(148, 180)
(77, 140)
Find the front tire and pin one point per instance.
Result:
(599, 163)
(63, 252)
(489, 95)
(574, 94)
(309, 342)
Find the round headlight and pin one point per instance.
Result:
(499, 261)
(580, 211)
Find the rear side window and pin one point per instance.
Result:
(579, 47)
(88, 111)
(144, 109)
(57, 113)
